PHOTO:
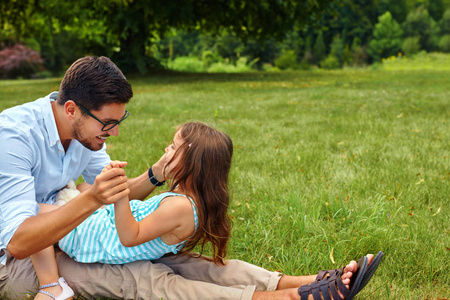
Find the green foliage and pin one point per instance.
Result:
(411, 45)
(330, 62)
(319, 48)
(196, 65)
(387, 38)
(287, 60)
(186, 64)
(128, 27)
(421, 61)
(209, 57)
(359, 56)
(242, 65)
(444, 43)
(419, 24)
(337, 49)
(444, 23)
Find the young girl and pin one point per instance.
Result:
(193, 212)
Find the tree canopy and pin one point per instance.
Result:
(124, 29)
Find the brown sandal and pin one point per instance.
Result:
(327, 288)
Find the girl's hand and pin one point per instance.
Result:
(114, 164)
(111, 184)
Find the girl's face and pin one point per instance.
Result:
(170, 152)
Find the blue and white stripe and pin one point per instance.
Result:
(96, 239)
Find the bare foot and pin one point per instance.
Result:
(350, 269)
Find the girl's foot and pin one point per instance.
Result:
(58, 290)
(337, 284)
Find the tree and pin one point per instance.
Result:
(129, 26)
(444, 23)
(337, 49)
(387, 38)
(419, 24)
(319, 48)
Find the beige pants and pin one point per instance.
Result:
(172, 277)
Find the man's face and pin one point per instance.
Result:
(88, 131)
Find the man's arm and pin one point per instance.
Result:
(43, 230)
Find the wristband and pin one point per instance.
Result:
(153, 180)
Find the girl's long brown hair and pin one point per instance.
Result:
(203, 175)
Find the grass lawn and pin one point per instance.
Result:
(328, 165)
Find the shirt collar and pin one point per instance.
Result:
(49, 118)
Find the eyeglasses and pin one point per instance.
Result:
(106, 126)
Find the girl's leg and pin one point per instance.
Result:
(44, 263)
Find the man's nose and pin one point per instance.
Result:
(114, 131)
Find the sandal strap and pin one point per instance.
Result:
(48, 285)
(47, 293)
(326, 288)
(321, 274)
(323, 285)
(303, 291)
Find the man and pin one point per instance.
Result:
(57, 138)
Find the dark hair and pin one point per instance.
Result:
(206, 155)
(93, 82)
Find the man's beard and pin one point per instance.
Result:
(76, 133)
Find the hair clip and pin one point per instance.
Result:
(190, 144)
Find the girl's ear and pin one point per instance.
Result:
(70, 108)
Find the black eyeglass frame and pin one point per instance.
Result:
(105, 125)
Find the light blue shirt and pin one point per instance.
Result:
(34, 165)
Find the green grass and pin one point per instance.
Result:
(328, 165)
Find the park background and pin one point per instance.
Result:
(338, 111)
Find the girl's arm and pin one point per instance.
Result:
(174, 216)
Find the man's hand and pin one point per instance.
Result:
(111, 185)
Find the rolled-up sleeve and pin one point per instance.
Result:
(17, 186)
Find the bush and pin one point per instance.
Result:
(331, 62)
(387, 38)
(241, 66)
(287, 60)
(444, 43)
(359, 56)
(411, 45)
(20, 61)
(186, 64)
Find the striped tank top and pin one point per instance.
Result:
(96, 239)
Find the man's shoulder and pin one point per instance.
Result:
(27, 116)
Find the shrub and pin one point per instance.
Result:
(186, 64)
(319, 48)
(331, 62)
(359, 56)
(444, 43)
(337, 49)
(411, 45)
(287, 60)
(209, 57)
(444, 23)
(387, 37)
(419, 24)
(241, 66)
(20, 61)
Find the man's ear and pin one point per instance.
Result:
(70, 108)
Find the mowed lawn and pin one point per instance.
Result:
(327, 166)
